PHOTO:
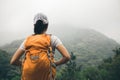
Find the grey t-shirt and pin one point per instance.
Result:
(55, 41)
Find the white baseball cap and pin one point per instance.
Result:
(40, 16)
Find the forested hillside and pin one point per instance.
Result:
(92, 57)
(89, 45)
(109, 69)
(7, 71)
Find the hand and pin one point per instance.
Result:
(54, 65)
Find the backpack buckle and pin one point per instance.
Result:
(34, 57)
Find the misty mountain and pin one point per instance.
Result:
(88, 45)
(11, 48)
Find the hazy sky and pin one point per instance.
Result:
(16, 16)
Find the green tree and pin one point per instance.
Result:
(7, 71)
(90, 73)
(4, 64)
(111, 67)
(70, 71)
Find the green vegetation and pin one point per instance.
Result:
(109, 69)
(8, 72)
(92, 57)
(90, 46)
(70, 71)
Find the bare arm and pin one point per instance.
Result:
(15, 59)
(64, 53)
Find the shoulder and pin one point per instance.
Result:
(22, 46)
(54, 37)
(55, 40)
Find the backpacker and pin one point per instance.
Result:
(39, 58)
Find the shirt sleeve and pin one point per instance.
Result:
(55, 41)
(22, 45)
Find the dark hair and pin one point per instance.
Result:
(39, 27)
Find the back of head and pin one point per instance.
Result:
(40, 23)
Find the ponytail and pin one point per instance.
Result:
(39, 27)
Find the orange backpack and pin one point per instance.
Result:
(39, 58)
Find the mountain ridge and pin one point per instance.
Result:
(88, 45)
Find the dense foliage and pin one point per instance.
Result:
(70, 71)
(109, 69)
(8, 72)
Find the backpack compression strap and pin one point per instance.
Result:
(50, 57)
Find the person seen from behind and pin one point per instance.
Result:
(39, 49)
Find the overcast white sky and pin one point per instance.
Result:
(16, 16)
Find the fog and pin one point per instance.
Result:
(16, 16)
